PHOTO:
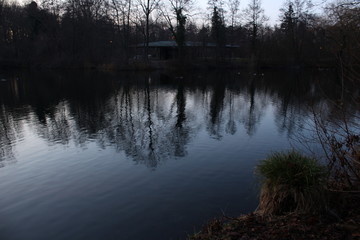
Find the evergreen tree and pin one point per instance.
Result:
(288, 27)
(218, 28)
(289, 20)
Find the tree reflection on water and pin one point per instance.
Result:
(150, 117)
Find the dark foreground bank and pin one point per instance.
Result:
(253, 226)
(290, 226)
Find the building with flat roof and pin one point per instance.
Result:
(164, 50)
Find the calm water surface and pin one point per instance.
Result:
(140, 156)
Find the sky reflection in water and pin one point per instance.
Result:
(141, 156)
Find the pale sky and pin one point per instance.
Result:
(271, 7)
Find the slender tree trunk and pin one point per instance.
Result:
(128, 28)
(147, 30)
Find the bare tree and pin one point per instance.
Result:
(147, 7)
(255, 18)
(122, 10)
(301, 8)
(216, 3)
(219, 6)
(176, 19)
(53, 6)
(340, 138)
(233, 12)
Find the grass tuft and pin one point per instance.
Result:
(292, 182)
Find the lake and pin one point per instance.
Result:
(91, 155)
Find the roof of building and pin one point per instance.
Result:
(187, 44)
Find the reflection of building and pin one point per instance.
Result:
(165, 50)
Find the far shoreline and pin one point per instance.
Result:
(173, 64)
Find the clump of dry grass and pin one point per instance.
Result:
(291, 183)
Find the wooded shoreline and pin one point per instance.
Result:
(118, 35)
(151, 65)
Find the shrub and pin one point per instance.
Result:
(291, 183)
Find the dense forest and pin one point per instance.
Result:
(83, 33)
